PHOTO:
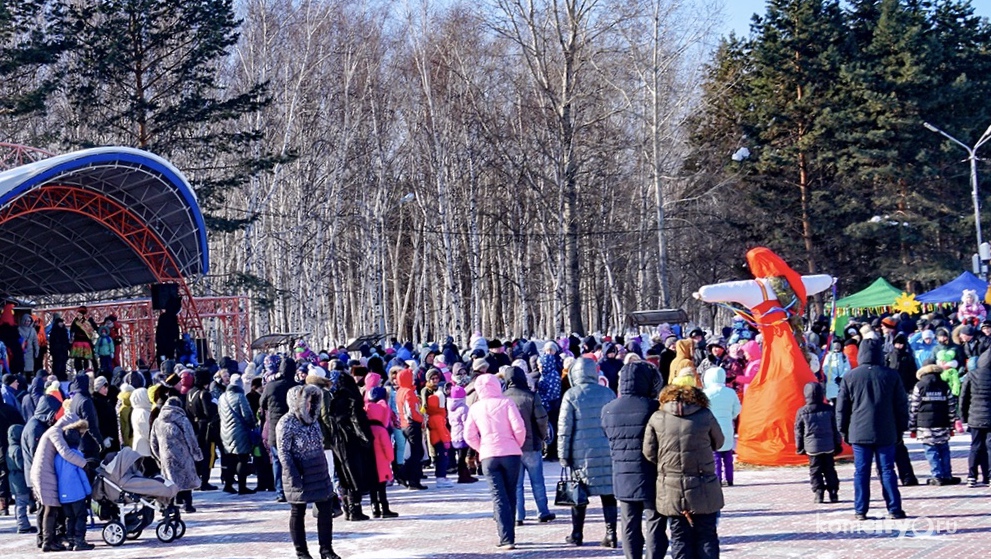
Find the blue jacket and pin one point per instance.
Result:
(624, 420)
(723, 403)
(581, 442)
(921, 350)
(15, 461)
(73, 485)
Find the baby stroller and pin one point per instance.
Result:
(127, 500)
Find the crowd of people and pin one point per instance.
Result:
(646, 425)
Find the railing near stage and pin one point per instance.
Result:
(225, 320)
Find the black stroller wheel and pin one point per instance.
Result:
(114, 533)
(165, 532)
(180, 528)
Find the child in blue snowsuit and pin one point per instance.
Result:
(73, 490)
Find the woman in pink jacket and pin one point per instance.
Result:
(380, 417)
(495, 429)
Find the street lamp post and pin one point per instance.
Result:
(972, 157)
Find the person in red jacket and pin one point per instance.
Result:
(411, 421)
(440, 435)
(850, 349)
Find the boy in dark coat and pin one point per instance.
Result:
(624, 421)
(816, 435)
(932, 411)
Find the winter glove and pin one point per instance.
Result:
(958, 425)
(838, 450)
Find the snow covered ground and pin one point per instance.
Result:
(769, 514)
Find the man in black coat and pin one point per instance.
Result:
(43, 418)
(497, 357)
(82, 406)
(273, 407)
(901, 359)
(105, 403)
(351, 441)
(535, 417)
(167, 331)
(204, 416)
(974, 343)
(904, 365)
(624, 421)
(873, 413)
(58, 346)
(610, 365)
(975, 411)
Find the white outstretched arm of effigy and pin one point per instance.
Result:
(746, 292)
(818, 283)
(749, 294)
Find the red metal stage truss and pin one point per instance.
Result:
(15, 155)
(122, 222)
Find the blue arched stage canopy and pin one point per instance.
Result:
(951, 292)
(95, 220)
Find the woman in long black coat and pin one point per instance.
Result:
(58, 346)
(351, 433)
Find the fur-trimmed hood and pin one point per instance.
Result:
(80, 425)
(304, 402)
(929, 370)
(682, 400)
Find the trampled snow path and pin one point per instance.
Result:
(769, 514)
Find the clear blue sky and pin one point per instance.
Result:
(737, 13)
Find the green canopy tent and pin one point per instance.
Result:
(877, 298)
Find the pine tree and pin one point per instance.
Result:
(25, 49)
(146, 73)
(795, 55)
(916, 61)
(833, 102)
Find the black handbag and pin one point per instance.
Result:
(571, 492)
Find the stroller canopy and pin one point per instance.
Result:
(122, 470)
